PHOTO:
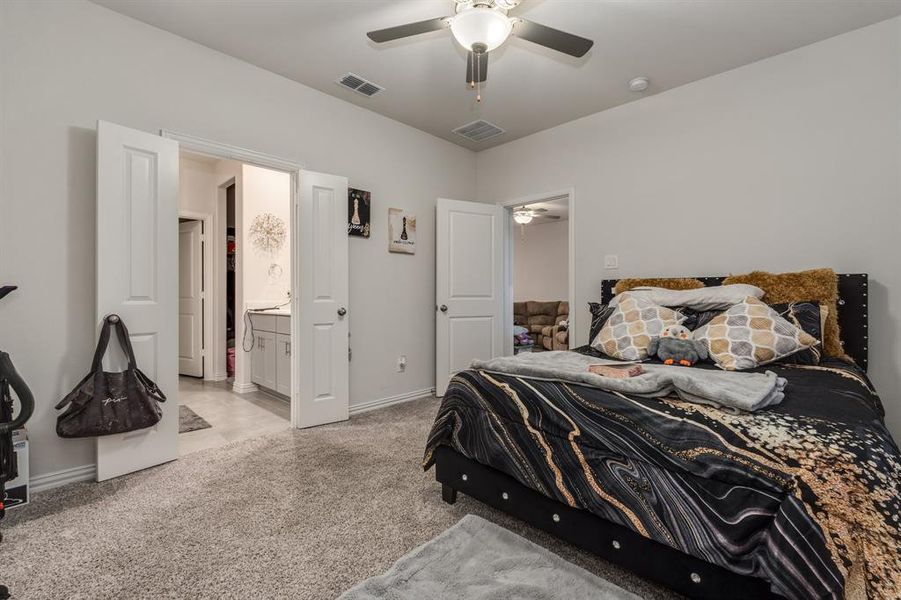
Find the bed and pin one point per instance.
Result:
(797, 501)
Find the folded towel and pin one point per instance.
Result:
(728, 390)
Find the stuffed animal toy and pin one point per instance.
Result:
(675, 346)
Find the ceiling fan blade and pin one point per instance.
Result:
(539, 210)
(554, 39)
(479, 62)
(410, 29)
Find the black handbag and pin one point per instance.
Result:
(107, 403)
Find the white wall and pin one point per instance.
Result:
(196, 186)
(541, 262)
(788, 163)
(64, 65)
(265, 192)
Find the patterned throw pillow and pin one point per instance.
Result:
(809, 317)
(599, 315)
(751, 334)
(629, 330)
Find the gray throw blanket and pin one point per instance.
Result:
(728, 390)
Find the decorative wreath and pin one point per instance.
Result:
(267, 233)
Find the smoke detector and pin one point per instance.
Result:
(639, 84)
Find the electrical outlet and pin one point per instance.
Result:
(402, 363)
(611, 261)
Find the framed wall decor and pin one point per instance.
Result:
(358, 213)
(401, 231)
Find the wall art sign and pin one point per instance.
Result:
(401, 231)
(357, 213)
(268, 233)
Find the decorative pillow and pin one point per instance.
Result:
(629, 330)
(751, 334)
(809, 317)
(599, 315)
(820, 285)
(714, 297)
(672, 283)
(695, 319)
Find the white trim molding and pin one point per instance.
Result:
(56, 479)
(223, 151)
(244, 388)
(362, 407)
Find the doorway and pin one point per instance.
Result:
(539, 274)
(234, 295)
(137, 254)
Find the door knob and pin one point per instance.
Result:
(342, 311)
(443, 308)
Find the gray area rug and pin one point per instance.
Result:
(188, 420)
(478, 560)
(301, 514)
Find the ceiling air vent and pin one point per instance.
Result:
(479, 131)
(360, 85)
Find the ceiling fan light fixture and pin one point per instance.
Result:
(481, 25)
(522, 217)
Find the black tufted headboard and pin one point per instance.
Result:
(852, 311)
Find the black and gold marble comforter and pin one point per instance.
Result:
(806, 495)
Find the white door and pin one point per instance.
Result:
(190, 298)
(469, 286)
(137, 258)
(320, 330)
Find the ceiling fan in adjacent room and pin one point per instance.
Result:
(480, 26)
(522, 216)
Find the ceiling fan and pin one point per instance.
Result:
(480, 26)
(524, 216)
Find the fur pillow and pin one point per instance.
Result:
(630, 328)
(676, 283)
(751, 334)
(820, 285)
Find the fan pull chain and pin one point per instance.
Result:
(472, 69)
(479, 79)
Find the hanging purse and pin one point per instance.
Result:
(106, 403)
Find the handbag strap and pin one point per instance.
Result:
(103, 342)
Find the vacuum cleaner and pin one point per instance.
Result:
(10, 380)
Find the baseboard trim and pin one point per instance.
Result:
(362, 407)
(48, 481)
(244, 388)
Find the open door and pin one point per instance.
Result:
(190, 298)
(322, 361)
(137, 262)
(469, 286)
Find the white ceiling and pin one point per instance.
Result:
(529, 88)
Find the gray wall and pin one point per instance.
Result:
(67, 64)
(541, 261)
(789, 163)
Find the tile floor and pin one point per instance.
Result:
(232, 416)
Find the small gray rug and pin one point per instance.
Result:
(188, 420)
(476, 559)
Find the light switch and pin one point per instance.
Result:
(611, 261)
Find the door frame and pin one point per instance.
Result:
(208, 353)
(267, 161)
(509, 235)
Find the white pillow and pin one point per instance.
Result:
(718, 297)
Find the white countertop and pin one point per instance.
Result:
(279, 312)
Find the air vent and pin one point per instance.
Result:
(479, 131)
(360, 85)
